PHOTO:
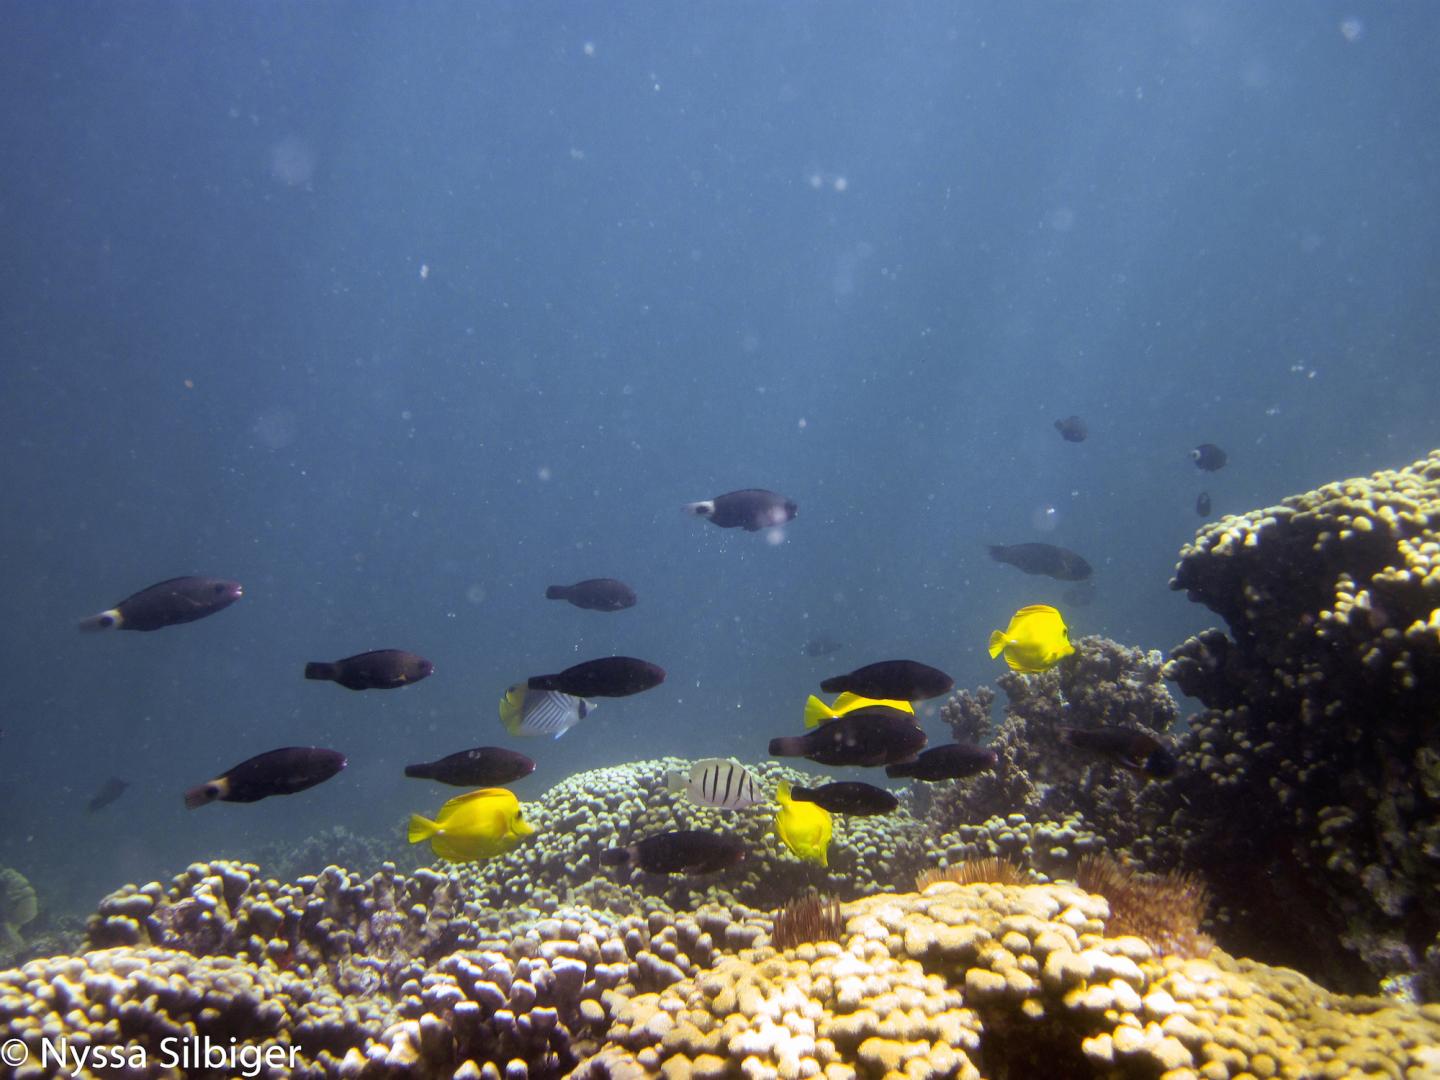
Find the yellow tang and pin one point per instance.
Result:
(1036, 639)
(476, 825)
(817, 712)
(802, 827)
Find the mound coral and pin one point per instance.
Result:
(1309, 793)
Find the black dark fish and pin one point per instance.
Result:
(685, 851)
(109, 791)
(892, 680)
(821, 646)
(1202, 504)
(948, 762)
(1072, 429)
(275, 772)
(1138, 751)
(610, 676)
(179, 600)
(383, 669)
(1044, 559)
(875, 735)
(848, 797)
(752, 509)
(484, 766)
(1209, 457)
(595, 594)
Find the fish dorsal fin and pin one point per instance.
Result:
(1036, 609)
(471, 796)
(848, 702)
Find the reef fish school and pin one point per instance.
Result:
(189, 1054)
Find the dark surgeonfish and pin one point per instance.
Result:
(684, 851)
(902, 680)
(950, 761)
(1138, 751)
(1209, 457)
(109, 791)
(595, 594)
(179, 600)
(1044, 559)
(610, 676)
(482, 767)
(877, 735)
(1202, 504)
(752, 509)
(848, 797)
(382, 669)
(275, 772)
(1072, 429)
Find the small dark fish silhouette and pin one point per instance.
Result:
(179, 600)
(1202, 504)
(848, 797)
(275, 772)
(684, 851)
(595, 594)
(610, 676)
(752, 509)
(821, 646)
(484, 766)
(1138, 751)
(383, 669)
(892, 680)
(877, 735)
(1072, 429)
(109, 791)
(948, 762)
(1046, 560)
(1209, 457)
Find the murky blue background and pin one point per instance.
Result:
(399, 313)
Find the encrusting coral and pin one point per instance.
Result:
(1309, 792)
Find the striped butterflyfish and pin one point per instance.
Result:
(717, 782)
(541, 712)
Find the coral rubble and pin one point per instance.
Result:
(1310, 793)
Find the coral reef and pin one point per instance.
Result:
(18, 906)
(1003, 981)
(1310, 786)
(589, 812)
(1104, 683)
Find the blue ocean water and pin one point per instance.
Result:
(399, 313)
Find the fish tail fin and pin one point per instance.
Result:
(421, 829)
(418, 772)
(997, 643)
(511, 706)
(314, 670)
(556, 592)
(817, 712)
(782, 793)
(615, 856)
(788, 746)
(106, 620)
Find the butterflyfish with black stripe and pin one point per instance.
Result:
(717, 782)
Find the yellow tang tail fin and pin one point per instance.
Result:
(421, 828)
(997, 643)
(817, 712)
(782, 793)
